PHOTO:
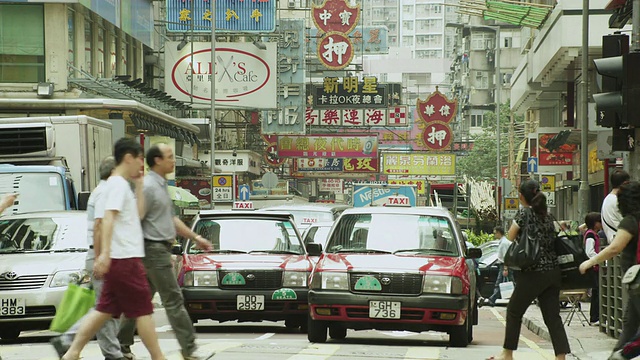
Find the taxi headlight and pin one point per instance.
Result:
(64, 278)
(441, 284)
(295, 279)
(201, 278)
(327, 280)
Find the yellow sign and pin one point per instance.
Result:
(420, 184)
(548, 183)
(594, 164)
(419, 164)
(511, 203)
(222, 181)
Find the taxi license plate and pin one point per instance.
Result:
(384, 309)
(11, 307)
(250, 302)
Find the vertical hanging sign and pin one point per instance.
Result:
(335, 19)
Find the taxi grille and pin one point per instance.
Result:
(261, 279)
(405, 284)
(25, 282)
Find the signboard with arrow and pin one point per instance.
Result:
(532, 164)
(244, 192)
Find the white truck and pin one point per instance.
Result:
(50, 160)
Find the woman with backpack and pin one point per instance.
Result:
(593, 222)
(625, 242)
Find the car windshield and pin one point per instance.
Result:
(249, 235)
(488, 255)
(394, 233)
(43, 234)
(37, 192)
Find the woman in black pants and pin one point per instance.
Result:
(541, 280)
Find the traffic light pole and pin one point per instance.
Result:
(635, 21)
(583, 191)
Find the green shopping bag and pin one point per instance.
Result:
(76, 302)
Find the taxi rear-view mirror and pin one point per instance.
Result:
(474, 253)
(176, 249)
(314, 249)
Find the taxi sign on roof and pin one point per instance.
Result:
(243, 205)
(402, 201)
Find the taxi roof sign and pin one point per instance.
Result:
(398, 201)
(243, 205)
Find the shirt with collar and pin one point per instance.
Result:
(157, 224)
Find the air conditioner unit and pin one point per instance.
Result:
(292, 4)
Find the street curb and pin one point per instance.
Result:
(536, 329)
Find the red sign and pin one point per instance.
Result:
(562, 156)
(243, 205)
(198, 186)
(361, 165)
(505, 172)
(271, 156)
(328, 146)
(437, 107)
(437, 135)
(335, 50)
(336, 15)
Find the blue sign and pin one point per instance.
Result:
(364, 195)
(244, 192)
(532, 164)
(289, 119)
(231, 15)
(365, 40)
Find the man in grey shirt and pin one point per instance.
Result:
(160, 227)
(107, 336)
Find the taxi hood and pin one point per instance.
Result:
(392, 263)
(247, 261)
(45, 263)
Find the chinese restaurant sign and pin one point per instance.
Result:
(291, 83)
(419, 164)
(231, 15)
(333, 146)
(352, 93)
(336, 19)
(366, 40)
(245, 75)
(437, 112)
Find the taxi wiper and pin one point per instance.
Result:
(362, 251)
(66, 250)
(423, 251)
(221, 251)
(275, 252)
(14, 251)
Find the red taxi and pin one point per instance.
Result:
(392, 268)
(258, 268)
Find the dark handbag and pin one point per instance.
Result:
(524, 250)
(570, 254)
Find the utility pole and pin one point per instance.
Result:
(498, 86)
(583, 192)
(212, 130)
(512, 152)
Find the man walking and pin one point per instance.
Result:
(108, 334)
(125, 289)
(160, 227)
(505, 274)
(611, 216)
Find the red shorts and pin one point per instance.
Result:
(126, 290)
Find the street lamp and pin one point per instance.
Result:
(213, 95)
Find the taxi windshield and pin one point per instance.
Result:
(394, 233)
(43, 234)
(249, 236)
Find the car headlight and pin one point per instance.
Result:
(441, 284)
(295, 279)
(64, 278)
(330, 281)
(201, 278)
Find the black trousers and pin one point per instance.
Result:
(594, 311)
(545, 286)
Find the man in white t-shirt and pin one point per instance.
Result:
(504, 274)
(119, 261)
(610, 214)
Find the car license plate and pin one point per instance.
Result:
(384, 309)
(250, 302)
(11, 307)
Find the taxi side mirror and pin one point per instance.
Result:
(314, 249)
(474, 253)
(176, 249)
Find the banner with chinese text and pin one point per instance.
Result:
(418, 164)
(333, 146)
(231, 15)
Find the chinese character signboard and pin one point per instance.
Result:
(333, 146)
(336, 19)
(420, 184)
(437, 112)
(367, 165)
(346, 117)
(231, 15)
(419, 164)
(331, 185)
(352, 93)
(291, 83)
(366, 40)
(319, 164)
(245, 75)
(222, 188)
(347, 166)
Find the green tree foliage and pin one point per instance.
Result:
(480, 162)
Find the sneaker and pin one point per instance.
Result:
(481, 302)
(617, 355)
(595, 323)
(200, 355)
(59, 345)
(126, 353)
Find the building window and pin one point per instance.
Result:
(88, 45)
(407, 9)
(482, 41)
(407, 40)
(100, 53)
(407, 25)
(22, 43)
(476, 120)
(508, 42)
(71, 54)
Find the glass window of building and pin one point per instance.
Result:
(476, 120)
(71, 53)
(112, 51)
(22, 47)
(88, 45)
(407, 25)
(100, 53)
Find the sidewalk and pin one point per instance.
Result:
(587, 342)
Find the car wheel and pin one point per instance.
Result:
(304, 327)
(317, 331)
(471, 323)
(9, 334)
(459, 335)
(337, 331)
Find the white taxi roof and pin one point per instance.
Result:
(415, 210)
